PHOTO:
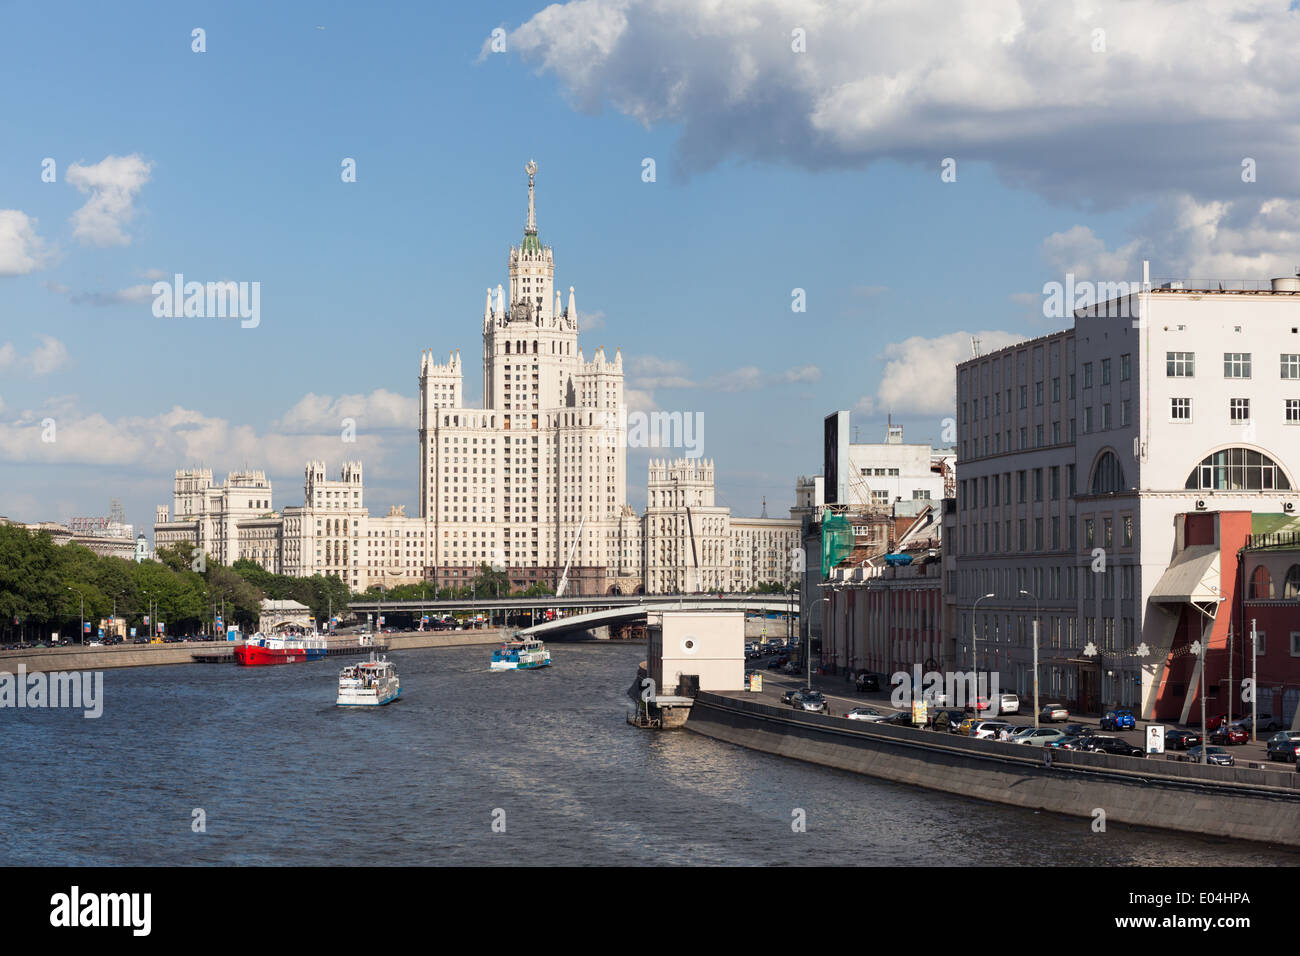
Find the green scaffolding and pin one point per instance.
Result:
(837, 541)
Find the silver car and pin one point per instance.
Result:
(1038, 737)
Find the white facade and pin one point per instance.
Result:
(1085, 444)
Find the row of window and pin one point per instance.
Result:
(1235, 365)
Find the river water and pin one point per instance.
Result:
(282, 776)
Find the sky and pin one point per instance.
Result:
(912, 174)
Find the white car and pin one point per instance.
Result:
(1009, 704)
(987, 729)
(866, 713)
(1039, 737)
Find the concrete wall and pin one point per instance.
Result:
(1216, 801)
(709, 644)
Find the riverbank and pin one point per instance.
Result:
(1240, 804)
(81, 657)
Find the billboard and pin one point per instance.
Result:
(835, 458)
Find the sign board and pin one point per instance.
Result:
(101, 633)
(1155, 737)
(756, 681)
(133, 632)
(918, 712)
(86, 627)
(54, 638)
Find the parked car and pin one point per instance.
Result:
(988, 729)
(866, 713)
(1078, 730)
(1284, 745)
(1072, 742)
(1009, 704)
(1232, 733)
(967, 725)
(1115, 746)
(1266, 723)
(953, 718)
(978, 705)
(788, 695)
(1181, 739)
(903, 719)
(1037, 737)
(777, 662)
(1051, 713)
(1117, 720)
(868, 683)
(1214, 755)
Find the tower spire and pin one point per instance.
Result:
(530, 229)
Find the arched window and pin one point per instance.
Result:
(1238, 469)
(1108, 475)
(1261, 584)
(507, 347)
(1291, 589)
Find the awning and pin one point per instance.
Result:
(1192, 577)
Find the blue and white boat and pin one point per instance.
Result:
(371, 683)
(521, 655)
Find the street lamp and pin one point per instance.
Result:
(81, 633)
(973, 639)
(1207, 631)
(1035, 597)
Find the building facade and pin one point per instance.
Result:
(1078, 450)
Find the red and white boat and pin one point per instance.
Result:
(260, 650)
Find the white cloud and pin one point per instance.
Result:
(802, 374)
(649, 372)
(1079, 251)
(47, 357)
(1010, 82)
(591, 321)
(380, 409)
(21, 249)
(113, 185)
(919, 376)
(736, 380)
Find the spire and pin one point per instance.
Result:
(531, 242)
(573, 308)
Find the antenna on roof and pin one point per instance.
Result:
(974, 347)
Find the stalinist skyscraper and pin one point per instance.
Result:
(539, 472)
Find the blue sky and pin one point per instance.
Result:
(690, 275)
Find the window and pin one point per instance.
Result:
(1089, 533)
(1105, 417)
(1125, 367)
(1105, 371)
(1235, 469)
(1180, 409)
(1056, 389)
(1293, 411)
(1126, 523)
(1024, 395)
(1125, 409)
(1038, 393)
(1291, 589)
(1261, 584)
(1239, 409)
(1087, 375)
(1180, 364)
(1087, 420)
(1107, 475)
(1291, 365)
(1236, 365)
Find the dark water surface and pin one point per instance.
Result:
(285, 777)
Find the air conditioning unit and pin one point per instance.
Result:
(1288, 506)
(1200, 504)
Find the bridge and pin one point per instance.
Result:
(584, 613)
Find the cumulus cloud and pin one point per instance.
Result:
(21, 249)
(919, 377)
(47, 357)
(1045, 92)
(380, 409)
(112, 185)
(649, 372)
(1079, 251)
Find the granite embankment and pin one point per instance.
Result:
(1240, 803)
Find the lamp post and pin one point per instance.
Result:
(81, 632)
(973, 638)
(1207, 631)
(1036, 610)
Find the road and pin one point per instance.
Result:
(841, 698)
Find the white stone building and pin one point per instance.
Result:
(1084, 444)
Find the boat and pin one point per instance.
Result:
(260, 650)
(371, 683)
(521, 655)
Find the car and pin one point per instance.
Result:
(1114, 746)
(812, 701)
(1072, 742)
(1214, 755)
(777, 663)
(1181, 739)
(1037, 736)
(1266, 722)
(954, 718)
(1232, 733)
(1009, 704)
(967, 725)
(786, 697)
(866, 713)
(1117, 720)
(1284, 745)
(868, 683)
(1051, 713)
(902, 719)
(1077, 730)
(979, 705)
(988, 729)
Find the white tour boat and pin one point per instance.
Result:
(521, 655)
(371, 683)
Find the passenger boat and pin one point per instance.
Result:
(521, 655)
(371, 683)
(260, 650)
